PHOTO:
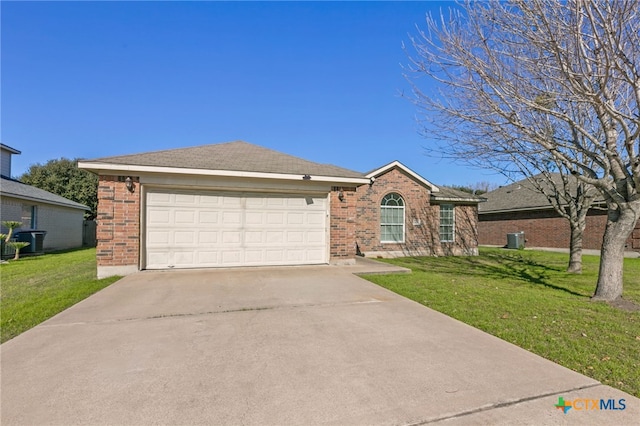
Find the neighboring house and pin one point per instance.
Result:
(238, 204)
(519, 207)
(60, 217)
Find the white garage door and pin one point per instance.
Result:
(206, 229)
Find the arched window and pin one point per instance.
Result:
(392, 219)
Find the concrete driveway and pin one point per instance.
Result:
(298, 345)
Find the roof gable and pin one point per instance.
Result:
(398, 165)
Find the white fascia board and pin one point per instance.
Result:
(8, 148)
(399, 165)
(454, 200)
(204, 172)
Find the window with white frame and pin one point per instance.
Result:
(447, 223)
(392, 219)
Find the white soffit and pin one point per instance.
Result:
(205, 172)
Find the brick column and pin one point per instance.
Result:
(118, 231)
(343, 225)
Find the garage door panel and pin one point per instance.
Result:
(253, 237)
(315, 218)
(208, 257)
(158, 197)
(295, 237)
(188, 229)
(158, 217)
(184, 237)
(185, 199)
(254, 256)
(274, 256)
(183, 257)
(255, 203)
(208, 217)
(231, 201)
(231, 237)
(315, 237)
(185, 217)
(315, 256)
(254, 218)
(295, 218)
(231, 218)
(275, 202)
(295, 256)
(231, 257)
(158, 237)
(210, 200)
(207, 237)
(275, 237)
(275, 218)
(158, 258)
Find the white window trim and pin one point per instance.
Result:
(453, 224)
(404, 228)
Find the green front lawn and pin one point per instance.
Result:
(36, 288)
(527, 298)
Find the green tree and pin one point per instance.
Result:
(62, 177)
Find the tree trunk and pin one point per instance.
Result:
(575, 247)
(620, 224)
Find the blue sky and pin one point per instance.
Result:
(319, 80)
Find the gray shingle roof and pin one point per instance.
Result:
(521, 195)
(10, 187)
(450, 194)
(230, 156)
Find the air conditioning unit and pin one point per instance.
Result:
(515, 240)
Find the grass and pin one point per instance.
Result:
(527, 298)
(36, 288)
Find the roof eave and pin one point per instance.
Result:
(8, 148)
(44, 201)
(98, 167)
(528, 209)
(459, 200)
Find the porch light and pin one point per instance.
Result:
(128, 182)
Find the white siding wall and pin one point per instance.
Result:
(5, 163)
(63, 224)
(10, 209)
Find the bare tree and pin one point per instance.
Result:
(543, 83)
(571, 199)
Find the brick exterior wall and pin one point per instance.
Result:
(422, 220)
(342, 224)
(118, 219)
(354, 219)
(544, 228)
